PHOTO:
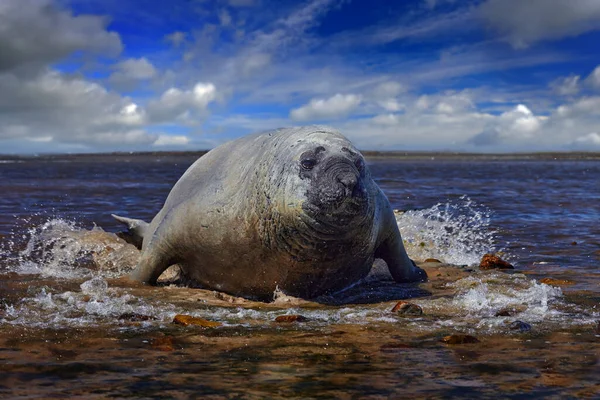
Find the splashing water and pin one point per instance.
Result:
(456, 233)
(59, 248)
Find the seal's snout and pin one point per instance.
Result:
(348, 181)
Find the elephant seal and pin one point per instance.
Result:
(293, 208)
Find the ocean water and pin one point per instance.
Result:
(69, 327)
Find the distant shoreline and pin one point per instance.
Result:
(370, 154)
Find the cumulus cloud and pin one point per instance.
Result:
(594, 78)
(524, 23)
(183, 104)
(35, 33)
(54, 108)
(591, 139)
(566, 86)
(337, 106)
(517, 124)
(133, 69)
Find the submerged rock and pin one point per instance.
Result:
(406, 308)
(519, 326)
(459, 338)
(291, 318)
(162, 343)
(186, 320)
(556, 282)
(491, 261)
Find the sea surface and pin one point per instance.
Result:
(70, 328)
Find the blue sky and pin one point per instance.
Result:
(473, 75)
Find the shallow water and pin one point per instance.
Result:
(70, 328)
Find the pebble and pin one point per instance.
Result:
(291, 318)
(459, 338)
(406, 308)
(491, 261)
(505, 312)
(186, 320)
(556, 282)
(520, 326)
(432, 260)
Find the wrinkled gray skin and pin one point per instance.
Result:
(292, 208)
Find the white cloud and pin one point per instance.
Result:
(183, 104)
(37, 32)
(594, 78)
(581, 107)
(337, 106)
(167, 140)
(526, 22)
(518, 124)
(57, 109)
(176, 38)
(591, 139)
(133, 69)
(566, 86)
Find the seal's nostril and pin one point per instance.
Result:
(348, 180)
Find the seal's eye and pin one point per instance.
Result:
(308, 163)
(360, 164)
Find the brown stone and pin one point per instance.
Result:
(291, 318)
(136, 317)
(556, 282)
(186, 320)
(162, 343)
(86, 298)
(432, 260)
(459, 338)
(491, 261)
(406, 308)
(505, 312)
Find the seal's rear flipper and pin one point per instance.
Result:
(136, 229)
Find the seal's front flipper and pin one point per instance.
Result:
(136, 230)
(392, 251)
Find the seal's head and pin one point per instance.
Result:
(334, 176)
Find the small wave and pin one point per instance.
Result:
(454, 232)
(59, 248)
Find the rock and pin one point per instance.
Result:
(406, 308)
(520, 326)
(186, 320)
(556, 282)
(162, 343)
(432, 260)
(291, 318)
(136, 317)
(459, 338)
(491, 261)
(573, 243)
(505, 312)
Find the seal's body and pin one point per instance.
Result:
(293, 208)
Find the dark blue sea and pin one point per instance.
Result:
(69, 330)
